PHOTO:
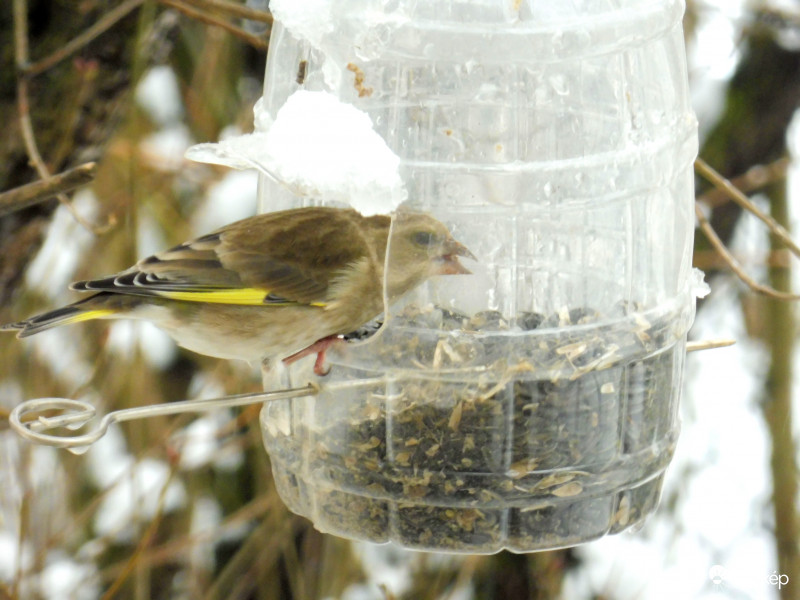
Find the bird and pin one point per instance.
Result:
(277, 286)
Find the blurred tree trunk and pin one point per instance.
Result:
(780, 332)
(73, 106)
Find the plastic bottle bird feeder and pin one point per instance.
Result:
(531, 404)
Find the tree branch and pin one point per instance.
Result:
(739, 198)
(254, 40)
(713, 238)
(104, 24)
(236, 10)
(39, 191)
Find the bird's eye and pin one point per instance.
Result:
(424, 238)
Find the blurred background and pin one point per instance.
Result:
(184, 507)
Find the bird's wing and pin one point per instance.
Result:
(276, 258)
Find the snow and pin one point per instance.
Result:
(199, 442)
(317, 146)
(387, 565)
(127, 337)
(230, 199)
(206, 518)
(108, 460)
(136, 496)
(158, 93)
(132, 489)
(66, 241)
(12, 557)
(164, 149)
(66, 579)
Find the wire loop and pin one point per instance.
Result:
(76, 414)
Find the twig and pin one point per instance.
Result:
(236, 10)
(739, 198)
(23, 107)
(712, 236)
(710, 259)
(108, 20)
(754, 178)
(708, 345)
(39, 191)
(253, 40)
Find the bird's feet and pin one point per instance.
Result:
(319, 348)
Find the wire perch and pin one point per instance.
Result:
(78, 413)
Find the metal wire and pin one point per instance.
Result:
(77, 414)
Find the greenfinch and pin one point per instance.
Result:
(277, 286)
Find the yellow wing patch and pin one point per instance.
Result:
(87, 316)
(243, 296)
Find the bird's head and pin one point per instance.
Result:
(421, 247)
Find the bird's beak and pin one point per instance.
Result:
(450, 265)
(459, 249)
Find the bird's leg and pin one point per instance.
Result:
(319, 348)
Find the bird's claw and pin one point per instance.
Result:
(320, 347)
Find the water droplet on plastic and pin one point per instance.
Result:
(78, 450)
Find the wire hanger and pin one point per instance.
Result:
(77, 414)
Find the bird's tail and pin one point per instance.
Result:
(94, 307)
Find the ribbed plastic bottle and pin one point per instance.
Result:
(532, 404)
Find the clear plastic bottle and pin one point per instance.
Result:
(531, 404)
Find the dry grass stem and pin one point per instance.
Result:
(708, 345)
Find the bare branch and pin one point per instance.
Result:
(739, 198)
(712, 236)
(23, 107)
(234, 9)
(39, 191)
(254, 40)
(756, 177)
(104, 24)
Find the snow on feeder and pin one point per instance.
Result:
(533, 403)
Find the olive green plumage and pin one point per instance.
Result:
(271, 285)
